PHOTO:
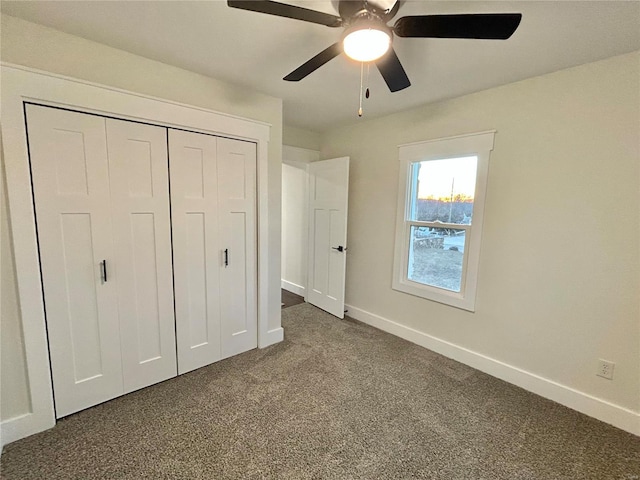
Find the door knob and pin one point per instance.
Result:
(340, 248)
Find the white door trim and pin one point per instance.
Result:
(22, 84)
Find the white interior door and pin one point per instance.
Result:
(69, 164)
(328, 200)
(238, 240)
(139, 172)
(197, 252)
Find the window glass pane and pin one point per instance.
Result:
(435, 257)
(444, 190)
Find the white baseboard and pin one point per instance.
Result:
(292, 287)
(273, 336)
(22, 426)
(607, 412)
(13, 428)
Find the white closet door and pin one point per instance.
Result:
(238, 277)
(71, 186)
(139, 171)
(197, 256)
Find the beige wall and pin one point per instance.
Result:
(559, 267)
(300, 137)
(14, 393)
(35, 46)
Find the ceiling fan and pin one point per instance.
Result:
(368, 38)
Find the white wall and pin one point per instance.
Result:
(558, 285)
(35, 46)
(14, 393)
(300, 137)
(295, 217)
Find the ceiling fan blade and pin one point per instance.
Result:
(287, 11)
(489, 26)
(315, 63)
(391, 69)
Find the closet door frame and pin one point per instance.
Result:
(21, 85)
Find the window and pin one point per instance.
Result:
(439, 221)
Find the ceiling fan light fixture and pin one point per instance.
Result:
(366, 43)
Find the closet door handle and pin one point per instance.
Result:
(103, 265)
(226, 257)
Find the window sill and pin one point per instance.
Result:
(440, 295)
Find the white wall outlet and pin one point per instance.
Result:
(605, 369)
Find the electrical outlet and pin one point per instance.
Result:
(605, 369)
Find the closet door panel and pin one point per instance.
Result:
(138, 162)
(197, 255)
(196, 270)
(238, 279)
(70, 176)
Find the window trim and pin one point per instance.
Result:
(478, 144)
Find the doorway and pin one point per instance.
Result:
(314, 228)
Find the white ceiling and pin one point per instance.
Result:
(257, 50)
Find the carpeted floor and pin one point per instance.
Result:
(336, 400)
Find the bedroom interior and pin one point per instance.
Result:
(403, 386)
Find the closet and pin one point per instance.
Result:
(147, 242)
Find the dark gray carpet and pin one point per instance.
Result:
(290, 299)
(335, 400)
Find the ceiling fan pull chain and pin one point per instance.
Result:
(361, 86)
(366, 93)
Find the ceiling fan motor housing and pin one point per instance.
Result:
(352, 9)
(366, 38)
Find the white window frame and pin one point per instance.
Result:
(479, 145)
